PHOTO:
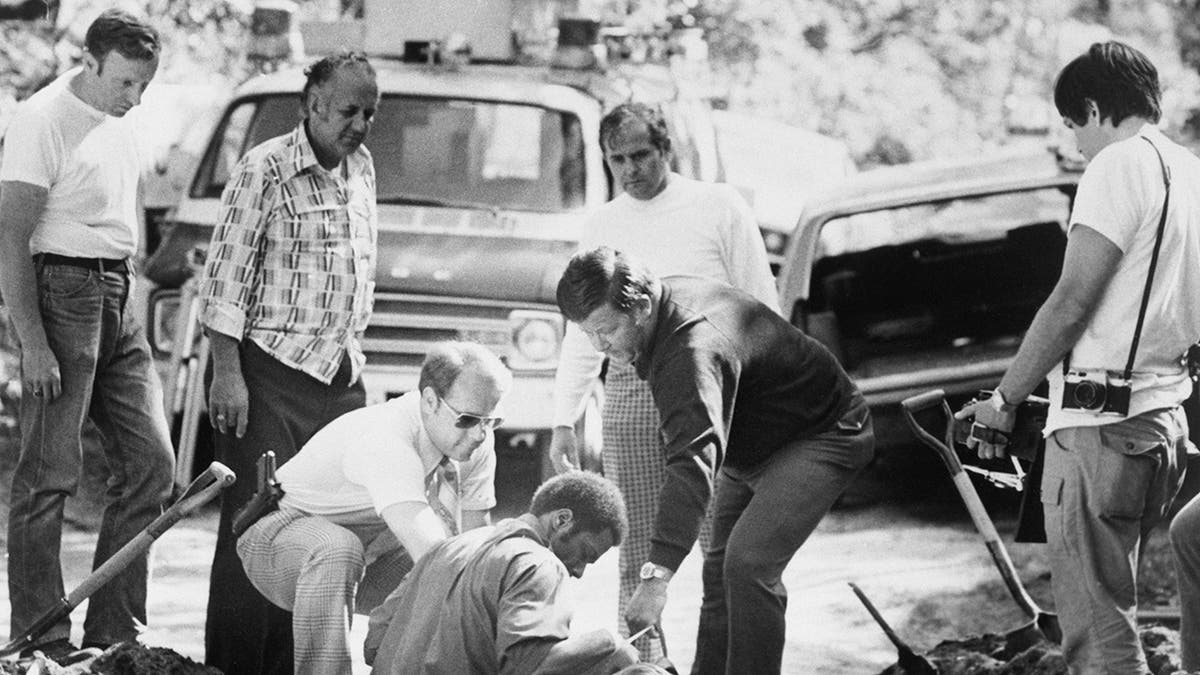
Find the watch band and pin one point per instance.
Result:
(653, 571)
(1001, 403)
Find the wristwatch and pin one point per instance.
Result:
(1000, 403)
(652, 571)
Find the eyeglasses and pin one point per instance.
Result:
(469, 421)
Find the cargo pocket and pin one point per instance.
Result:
(1124, 471)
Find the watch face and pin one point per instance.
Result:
(647, 571)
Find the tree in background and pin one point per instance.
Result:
(915, 79)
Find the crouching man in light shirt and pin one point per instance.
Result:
(371, 493)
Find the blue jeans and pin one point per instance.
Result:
(105, 364)
(1103, 489)
(761, 517)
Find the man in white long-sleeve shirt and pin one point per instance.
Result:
(679, 226)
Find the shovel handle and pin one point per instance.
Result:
(944, 448)
(966, 490)
(995, 546)
(207, 485)
(887, 630)
(920, 402)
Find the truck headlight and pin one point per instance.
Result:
(536, 338)
(775, 242)
(164, 314)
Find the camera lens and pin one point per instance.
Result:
(1089, 395)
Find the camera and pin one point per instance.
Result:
(1192, 360)
(1096, 391)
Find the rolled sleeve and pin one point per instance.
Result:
(231, 271)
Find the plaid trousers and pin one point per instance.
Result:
(635, 459)
(323, 573)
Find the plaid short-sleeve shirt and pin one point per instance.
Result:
(291, 264)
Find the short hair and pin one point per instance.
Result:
(318, 73)
(1118, 78)
(595, 502)
(602, 275)
(636, 112)
(445, 361)
(116, 29)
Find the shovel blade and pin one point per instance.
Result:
(915, 664)
(1048, 624)
(1044, 628)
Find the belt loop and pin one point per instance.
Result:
(39, 261)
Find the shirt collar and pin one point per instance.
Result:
(301, 156)
(655, 328)
(426, 450)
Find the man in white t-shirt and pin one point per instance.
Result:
(1116, 434)
(678, 226)
(371, 493)
(68, 227)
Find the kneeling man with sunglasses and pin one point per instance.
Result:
(371, 493)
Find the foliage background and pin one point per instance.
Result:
(896, 80)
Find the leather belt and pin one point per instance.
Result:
(101, 265)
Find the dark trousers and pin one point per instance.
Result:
(761, 517)
(244, 632)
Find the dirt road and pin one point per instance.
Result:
(901, 556)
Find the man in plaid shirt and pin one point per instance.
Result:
(285, 297)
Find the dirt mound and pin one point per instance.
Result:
(120, 659)
(989, 655)
(135, 659)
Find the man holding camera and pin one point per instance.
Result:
(1111, 338)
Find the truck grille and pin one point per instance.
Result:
(403, 327)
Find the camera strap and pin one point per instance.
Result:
(1158, 237)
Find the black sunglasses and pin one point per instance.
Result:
(468, 421)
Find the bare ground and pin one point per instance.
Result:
(918, 558)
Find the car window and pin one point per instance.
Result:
(973, 219)
(896, 287)
(436, 151)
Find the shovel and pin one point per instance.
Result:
(912, 662)
(207, 485)
(1043, 625)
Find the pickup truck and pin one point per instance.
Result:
(484, 173)
(927, 275)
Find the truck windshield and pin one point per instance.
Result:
(430, 150)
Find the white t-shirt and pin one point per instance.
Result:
(88, 162)
(371, 458)
(1120, 196)
(690, 228)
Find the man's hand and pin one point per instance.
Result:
(564, 452)
(622, 655)
(646, 606)
(990, 415)
(229, 403)
(39, 370)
